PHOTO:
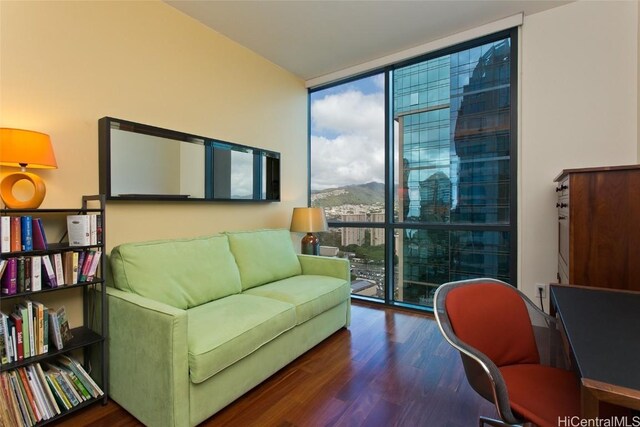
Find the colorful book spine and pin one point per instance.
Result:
(26, 233)
(39, 237)
(48, 273)
(4, 358)
(79, 230)
(58, 269)
(36, 273)
(16, 234)
(5, 234)
(19, 347)
(20, 275)
(21, 310)
(9, 281)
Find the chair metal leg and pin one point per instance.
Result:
(495, 423)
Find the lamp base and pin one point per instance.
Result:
(6, 191)
(310, 245)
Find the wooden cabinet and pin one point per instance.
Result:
(599, 227)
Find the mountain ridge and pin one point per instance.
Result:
(369, 193)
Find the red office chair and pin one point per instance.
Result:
(510, 351)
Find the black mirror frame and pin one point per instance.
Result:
(271, 175)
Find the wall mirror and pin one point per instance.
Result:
(142, 162)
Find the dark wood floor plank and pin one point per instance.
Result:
(389, 368)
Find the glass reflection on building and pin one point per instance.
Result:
(453, 158)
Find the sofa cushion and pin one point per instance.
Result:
(224, 331)
(264, 256)
(183, 273)
(310, 294)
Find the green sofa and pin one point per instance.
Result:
(196, 323)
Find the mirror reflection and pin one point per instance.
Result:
(142, 162)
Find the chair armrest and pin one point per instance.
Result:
(325, 266)
(148, 358)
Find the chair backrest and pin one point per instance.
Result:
(493, 318)
(488, 322)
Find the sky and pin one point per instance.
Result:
(347, 134)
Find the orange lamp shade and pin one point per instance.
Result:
(22, 148)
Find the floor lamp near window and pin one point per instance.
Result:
(309, 220)
(22, 148)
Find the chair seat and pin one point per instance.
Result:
(541, 394)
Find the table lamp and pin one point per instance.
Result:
(309, 220)
(22, 148)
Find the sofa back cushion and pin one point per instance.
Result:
(183, 273)
(264, 256)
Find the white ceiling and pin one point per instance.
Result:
(313, 38)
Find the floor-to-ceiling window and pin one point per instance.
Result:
(416, 169)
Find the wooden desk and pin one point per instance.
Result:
(602, 328)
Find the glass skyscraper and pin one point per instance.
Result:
(453, 159)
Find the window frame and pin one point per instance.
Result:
(390, 224)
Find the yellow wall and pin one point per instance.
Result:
(578, 108)
(65, 64)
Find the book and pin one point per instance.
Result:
(58, 269)
(94, 265)
(4, 358)
(3, 265)
(63, 384)
(54, 330)
(26, 233)
(14, 339)
(82, 374)
(93, 228)
(86, 265)
(14, 417)
(99, 229)
(17, 322)
(20, 279)
(10, 277)
(45, 329)
(30, 399)
(16, 234)
(63, 324)
(67, 267)
(81, 257)
(48, 275)
(38, 314)
(58, 394)
(47, 389)
(5, 234)
(32, 327)
(79, 230)
(8, 345)
(39, 238)
(36, 273)
(29, 382)
(21, 311)
(23, 405)
(74, 265)
(36, 389)
(27, 274)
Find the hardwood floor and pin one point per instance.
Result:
(390, 368)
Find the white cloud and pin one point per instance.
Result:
(347, 144)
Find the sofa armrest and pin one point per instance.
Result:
(148, 358)
(325, 266)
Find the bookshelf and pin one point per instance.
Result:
(88, 341)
